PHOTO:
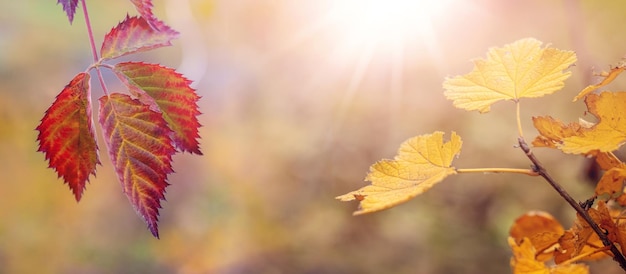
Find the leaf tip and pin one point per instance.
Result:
(69, 6)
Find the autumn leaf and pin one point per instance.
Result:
(141, 151)
(422, 162)
(612, 181)
(524, 262)
(519, 70)
(170, 91)
(144, 7)
(608, 78)
(607, 160)
(602, 216)
(66, 135)
(541, 229)
(552, 131)
(69, 6)
(609, 133)
(133, 35)
(581, 241)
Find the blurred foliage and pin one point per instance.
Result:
(289, 123)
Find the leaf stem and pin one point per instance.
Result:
(92, 43)
(538, 167)
(519, 120)
(528, 172)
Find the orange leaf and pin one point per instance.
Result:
(524, 262)
(141, 151)
(611, 182)
(552, 131)
(66, 135)
(422, 162)
(541, 229)
(581, 239)
(608, 78)
(609, 133)
(607, 160)
(602, 216)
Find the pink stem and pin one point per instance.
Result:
(92, 42)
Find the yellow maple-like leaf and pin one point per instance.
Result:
(609, 133)
(608, 78)
(524, 262)
(422, 162)
(519, 70)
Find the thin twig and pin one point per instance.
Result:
(538, 167)
(528, 172)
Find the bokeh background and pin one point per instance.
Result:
(299, 98)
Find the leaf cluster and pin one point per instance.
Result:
(142, 127)
(524, 69)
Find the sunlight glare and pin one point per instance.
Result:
(385, 23)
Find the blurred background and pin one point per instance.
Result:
(299, 98)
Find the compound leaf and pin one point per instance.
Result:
(135, 34)
(519, 70)
(422, 162)
(170, 91)
(66, 135)
(141, 151)
(69, 6)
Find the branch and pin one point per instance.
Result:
(538, 167)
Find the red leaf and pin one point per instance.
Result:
(66, 135)
(141, 151)
(134, 34)
(173, 96)
(144, 7)
(69, 6)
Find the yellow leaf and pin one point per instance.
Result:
(524, 262)
(609, 133)
(608, 78)
(421, 162)
(519, 70)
